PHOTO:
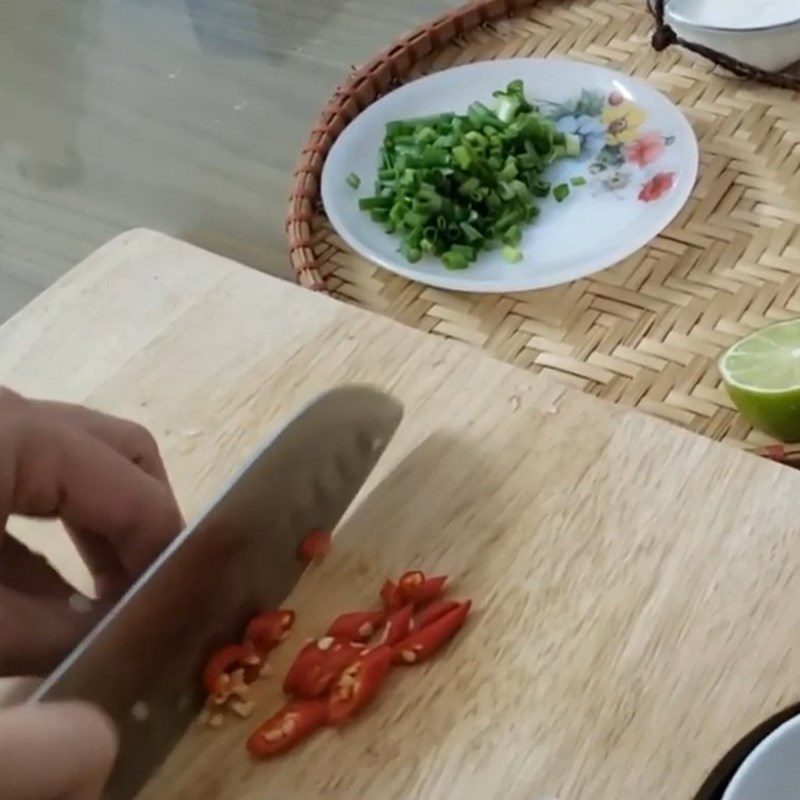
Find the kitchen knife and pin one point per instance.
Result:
(142, 664)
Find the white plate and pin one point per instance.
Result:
(633, 138)
(772, 770)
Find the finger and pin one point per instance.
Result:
(25, 571)
(110, 576)
(129, 439)
(42, 617)
(37, 631)
(58, 750)
(58, 471)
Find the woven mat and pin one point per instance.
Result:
(647, 332)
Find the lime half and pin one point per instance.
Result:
(762, 376)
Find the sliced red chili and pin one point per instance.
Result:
(267, 630)
(357, 626)
(318, 665)
(357, 685)
(417, 588)
(434, 611)
(390, 596)
(398, 625)
(410, 580)
(315, 546)
(296, 721)
(218, 675)
(423, 643)
(430, 589)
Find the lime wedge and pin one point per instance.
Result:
(762, 376)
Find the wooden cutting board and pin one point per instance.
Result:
(636, 586)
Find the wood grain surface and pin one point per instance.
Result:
(634, 584)
(185, 115)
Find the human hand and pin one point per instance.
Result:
(57, 750)
(104, 478)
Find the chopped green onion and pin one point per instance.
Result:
(464, 250)
(462, 156)
(578, 180)
(473, 234)
(454, 185)
(353, 180)
(369, 203)
(513, 236)
(455, 260)
(573, 145)
(561, 192)
(540, 189)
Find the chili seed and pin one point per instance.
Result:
(367, 629)
(274, 735)
(346, 692)
(238, 686)
(409, 656)
(243, 708)
(289, 724)
(325, 643)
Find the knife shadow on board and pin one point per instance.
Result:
(402, 520)
(417, 516)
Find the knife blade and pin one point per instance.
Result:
(142, 663)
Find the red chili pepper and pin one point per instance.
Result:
(267, 630)
(297, 720)
(390, 597)
(397, 626)
(356, 627)
(417, 588)
(357, 685)
(423, 643)
(410, 580)
(217, 676)
(315, 546)
(318, 665)
(434, 611)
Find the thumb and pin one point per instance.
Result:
(75, 743)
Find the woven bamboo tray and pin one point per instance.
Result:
(647, 332)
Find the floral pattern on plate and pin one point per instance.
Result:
(632, 181)
(623, 154)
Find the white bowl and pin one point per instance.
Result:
(764, 33)
(772, 770)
